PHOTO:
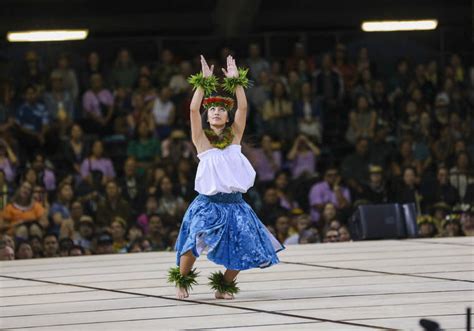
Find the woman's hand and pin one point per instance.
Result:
(206, 71)
(231, 68)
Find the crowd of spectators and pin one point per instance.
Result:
(96, 157)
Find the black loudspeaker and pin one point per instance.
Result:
(387, 221)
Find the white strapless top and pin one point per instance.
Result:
(223, 171)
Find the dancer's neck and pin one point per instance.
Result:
(217, 130)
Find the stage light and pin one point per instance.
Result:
(47, 35)
(382, 26)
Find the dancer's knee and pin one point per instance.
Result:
(187, 258)
(189, 254)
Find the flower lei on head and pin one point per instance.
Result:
(218, 101)
(230, 83)
(208, 84)
(220, 141)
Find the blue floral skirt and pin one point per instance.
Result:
(227, 228)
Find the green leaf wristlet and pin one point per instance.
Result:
(208, 84)
(230, 83)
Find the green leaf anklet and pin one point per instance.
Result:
(218, 283)
(182, 281)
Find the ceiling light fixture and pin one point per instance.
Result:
(47, 35)
(382, 26)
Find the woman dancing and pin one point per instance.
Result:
(218, 220)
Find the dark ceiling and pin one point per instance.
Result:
(224, 17)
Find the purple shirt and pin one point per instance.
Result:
(49, 180)
(103, 165)
(288, 204)
(303, 162)
(321, 193)
(91, 101)
(7, 168)
(142, 222)
(262, 164)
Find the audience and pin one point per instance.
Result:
(124, 72)
(50, 245)
(326, 191)
(118, 165)
(6, 253)
(23, 251)
(97, 103)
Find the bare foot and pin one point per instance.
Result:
(225, 295)
(181, 293)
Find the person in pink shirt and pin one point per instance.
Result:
(97, 105)
(97, 169)
(328, 191)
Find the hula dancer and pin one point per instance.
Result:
(218, 220)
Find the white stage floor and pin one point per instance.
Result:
(340, 286)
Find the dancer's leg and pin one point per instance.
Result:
(229, 276)
(186, 262)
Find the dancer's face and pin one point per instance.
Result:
(217, 116)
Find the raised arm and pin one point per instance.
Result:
(315, 149)
(195, 116)
(241, 113)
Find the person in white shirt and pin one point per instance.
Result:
(218, 220)
(164, 113)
